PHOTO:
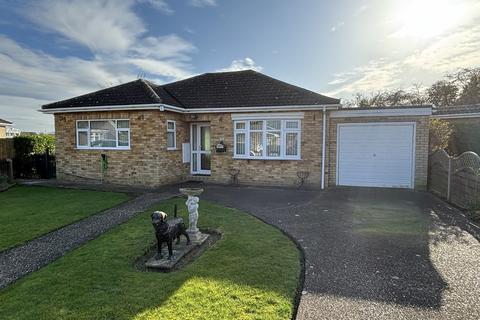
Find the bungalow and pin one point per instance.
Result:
(242, 126)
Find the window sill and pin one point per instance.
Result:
(266, 158)
(118, 149)
(172, 149)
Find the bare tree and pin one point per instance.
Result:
(460, 87)
(442, 93)
(389, 98)
(468, 83)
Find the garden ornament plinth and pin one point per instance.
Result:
(192, 207)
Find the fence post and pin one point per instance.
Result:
(10, 170)
(449, 177)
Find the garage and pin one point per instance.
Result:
(376, 154)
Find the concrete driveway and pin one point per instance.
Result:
(373, 253)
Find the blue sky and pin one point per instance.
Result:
(51, 50)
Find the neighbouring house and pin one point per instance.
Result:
(465, 120)
(216, 125)
(3, 128)
(7, 130)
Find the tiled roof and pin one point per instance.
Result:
(134, 92)
(210, 90)
(464, 109)
(4, 122)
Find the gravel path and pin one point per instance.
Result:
(19, 261)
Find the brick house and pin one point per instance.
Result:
(4, 125)
(212, 126)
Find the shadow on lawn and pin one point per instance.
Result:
(361, 243)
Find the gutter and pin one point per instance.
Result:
(457, 115)
(150, 106)
(166, 107)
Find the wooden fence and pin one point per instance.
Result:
(456, 179)
(6, 149)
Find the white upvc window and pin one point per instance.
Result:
(103, 134)
(275, 139)
(171, 135)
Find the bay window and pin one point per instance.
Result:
(103, 134)
(267, 139)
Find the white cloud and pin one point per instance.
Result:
(163, 47)
(101, 25)
(116, 37)
(242, 64)
(458, 49)
(170, 69)
(360, 10)
(36, 77)
(337, 26)
(203, 3)
(32, 74)
(160, 5)
(23, 113)
(375, 75)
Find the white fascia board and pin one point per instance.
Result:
(257, 115)
(381, 112)
(149, 106)
(457, 116)
(166, 107)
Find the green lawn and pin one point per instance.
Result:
(28, 212)
(250, 273)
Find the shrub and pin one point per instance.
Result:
(34, 144)
(29, 150)
(43, 143)
(440, 133)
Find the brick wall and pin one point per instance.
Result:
(421, 152)
(264, 172)
(147, 163)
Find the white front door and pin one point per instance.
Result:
(200, 145)
(376, 154)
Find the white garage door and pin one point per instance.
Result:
(376, 154)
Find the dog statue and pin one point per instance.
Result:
(167, 231)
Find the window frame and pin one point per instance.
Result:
(174, 131)
(88, 131)
(283, 134)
